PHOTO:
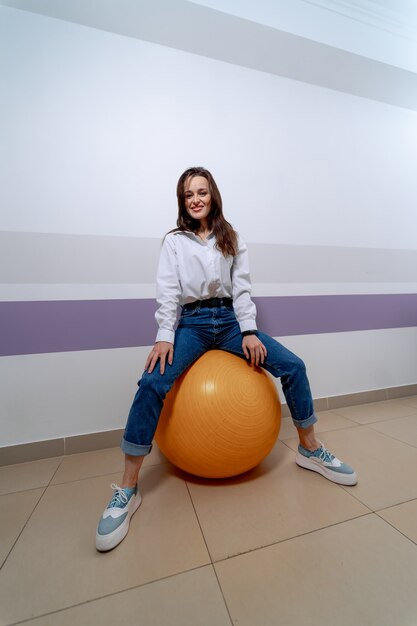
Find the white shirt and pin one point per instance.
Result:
(191, 269)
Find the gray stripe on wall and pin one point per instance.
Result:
(330, 264)
(77, 259)
(43, 258)
(61, 326)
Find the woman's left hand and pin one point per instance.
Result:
(253, 349)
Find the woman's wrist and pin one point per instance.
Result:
(249, 332)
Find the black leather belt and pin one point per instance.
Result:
(210, 303)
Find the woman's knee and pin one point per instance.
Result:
(298, 365)
(155, 383)
(280, 361)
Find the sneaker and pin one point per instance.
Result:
(114, 523)
(325, 463)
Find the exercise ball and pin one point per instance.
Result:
(221, 417)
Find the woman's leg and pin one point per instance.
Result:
(137, 441)
(148, 402)
(132, 469)
(283, 364)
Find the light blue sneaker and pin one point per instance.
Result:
(326, 464)
(114, 523)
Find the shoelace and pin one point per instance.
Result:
(119, 497)
(325, 455)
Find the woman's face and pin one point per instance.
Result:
(197, 197)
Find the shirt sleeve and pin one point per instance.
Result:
(168, 291)
(245, 309)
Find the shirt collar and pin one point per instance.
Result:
(193, 235)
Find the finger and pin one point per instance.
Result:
(148, 360)
(152, 364)
(154, 361)
(162, 363)
(171, 355)
(245, 351)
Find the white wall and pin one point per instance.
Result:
(96, 129)
(47, 396)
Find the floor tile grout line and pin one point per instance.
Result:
(384, 508)
(120, 471)
(80, 480)
(392, 437)
(59, 465)
(280, 541)
(349, 491)
(414, 413)
(197, 518)
(395, 528)
(346, 488)
(76, 480)
(369, 425)
(410, 445)
(368, 512)
(11, 493)
(222, 592)
(324, 432)
(110, 595)
(349, 419)
(207, 548)
(320, 416)
(24, 526)
(389, 419)
(44, 487)
(377, 509)
(401, 401)
(211, 564)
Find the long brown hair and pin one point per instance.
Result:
(226, 237)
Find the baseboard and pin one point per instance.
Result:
(36, 450)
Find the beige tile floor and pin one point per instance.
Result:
(279, 545)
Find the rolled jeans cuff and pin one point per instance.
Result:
(305, 423)
(135, 449)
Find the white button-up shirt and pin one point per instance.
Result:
(191, 269)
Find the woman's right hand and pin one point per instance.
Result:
(162, 350)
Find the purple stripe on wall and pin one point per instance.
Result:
(62, 326)
(68, 325)
(304, 315)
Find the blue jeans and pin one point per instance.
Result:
(199, 330)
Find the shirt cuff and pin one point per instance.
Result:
(247, 325)
(165, 335)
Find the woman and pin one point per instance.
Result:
(204, 268)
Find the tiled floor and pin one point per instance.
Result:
(279, 545)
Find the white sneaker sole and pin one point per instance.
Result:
(110, 541)
(315, 466)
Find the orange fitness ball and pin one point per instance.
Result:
(221, 417)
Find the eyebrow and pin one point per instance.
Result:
(200, 189)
